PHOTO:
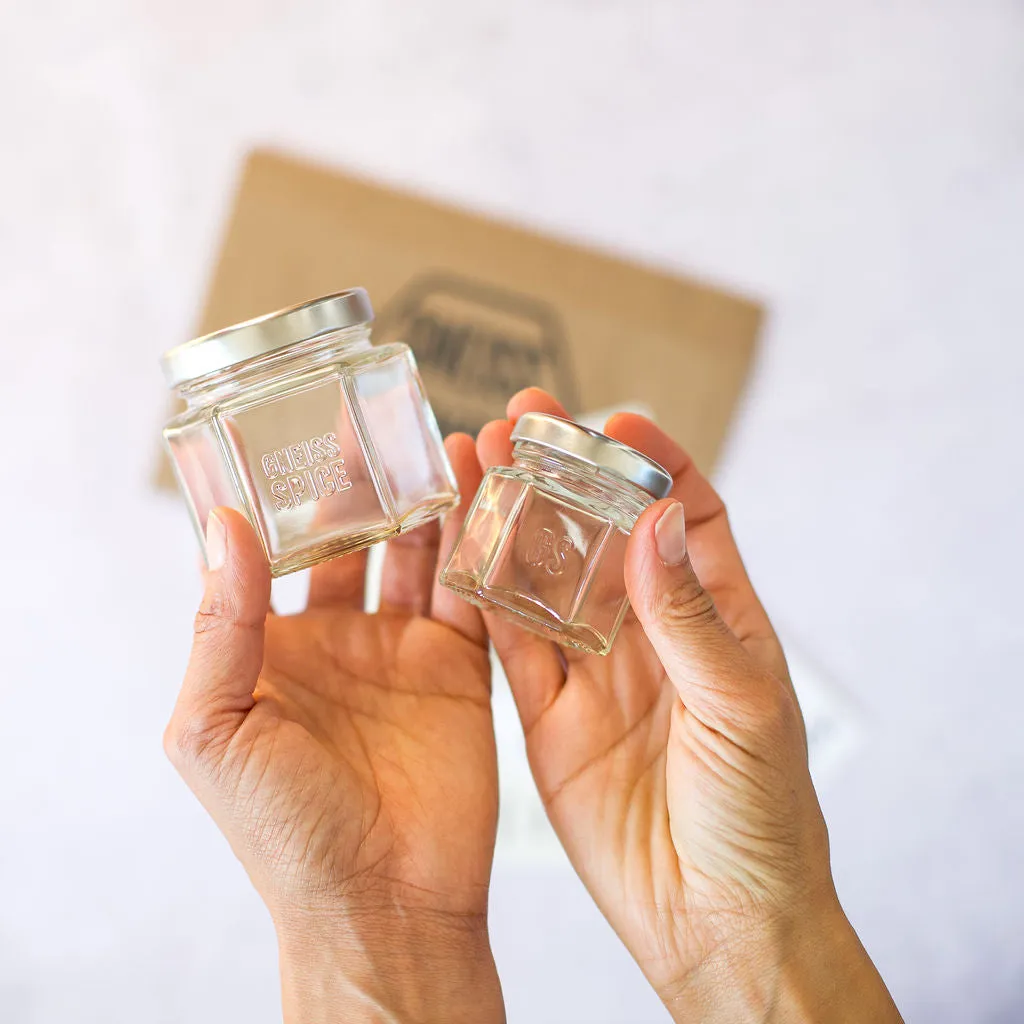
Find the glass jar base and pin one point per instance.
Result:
(335, 547)
(526, 614)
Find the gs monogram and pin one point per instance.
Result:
(548, 551)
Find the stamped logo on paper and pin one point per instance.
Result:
(477, 345)
(308, 470)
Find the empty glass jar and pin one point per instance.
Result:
(544, 541)
(326, 443)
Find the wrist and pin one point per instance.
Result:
(806, 968)
(387, 967)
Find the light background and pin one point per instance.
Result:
(858, 166)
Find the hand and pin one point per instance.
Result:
(350, 761)
(674, 771)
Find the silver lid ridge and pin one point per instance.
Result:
(264, 334)
(594, 448)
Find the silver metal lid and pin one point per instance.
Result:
(592, 447)
(251, 338)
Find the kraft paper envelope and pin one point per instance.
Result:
(488, 308)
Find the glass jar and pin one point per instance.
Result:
(544, 541)
(324, 442)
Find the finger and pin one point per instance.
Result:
(691, 488)
(341, 581)
(407, 575)
(534, 400)
(711, 546)
(445, 605)
(535, 667)
(717, 679)
(494, 444)
(227, 649)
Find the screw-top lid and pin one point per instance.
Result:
(264, 334)
(595, 448)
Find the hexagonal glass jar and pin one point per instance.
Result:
(544, 541)
(326, 443)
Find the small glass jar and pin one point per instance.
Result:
(544, 541)
(324, 442)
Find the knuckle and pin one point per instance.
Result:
(170, 740)
(214, 613)
(779, 721)
(687, 605)
(220, 613)
(187, 739)
(783, 711)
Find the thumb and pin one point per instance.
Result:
(716, 678)
(227, 648)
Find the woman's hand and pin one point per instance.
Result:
(675, 771)
(349, 759)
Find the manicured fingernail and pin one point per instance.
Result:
(670, 534)
(216, 542)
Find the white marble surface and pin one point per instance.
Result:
(860, 166)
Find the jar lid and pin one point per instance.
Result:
(232, 345)
(597, 449)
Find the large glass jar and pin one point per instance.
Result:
(324, 442)
(544, 541)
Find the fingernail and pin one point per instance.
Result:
(216, 542)
(670, 534)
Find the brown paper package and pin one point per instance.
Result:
(487, 308)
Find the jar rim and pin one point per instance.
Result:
(594, 448)
(231, 346)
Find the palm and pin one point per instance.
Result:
(621, 710)
(604, 734)
(362, 761)
(368, 760)
(617, 750)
